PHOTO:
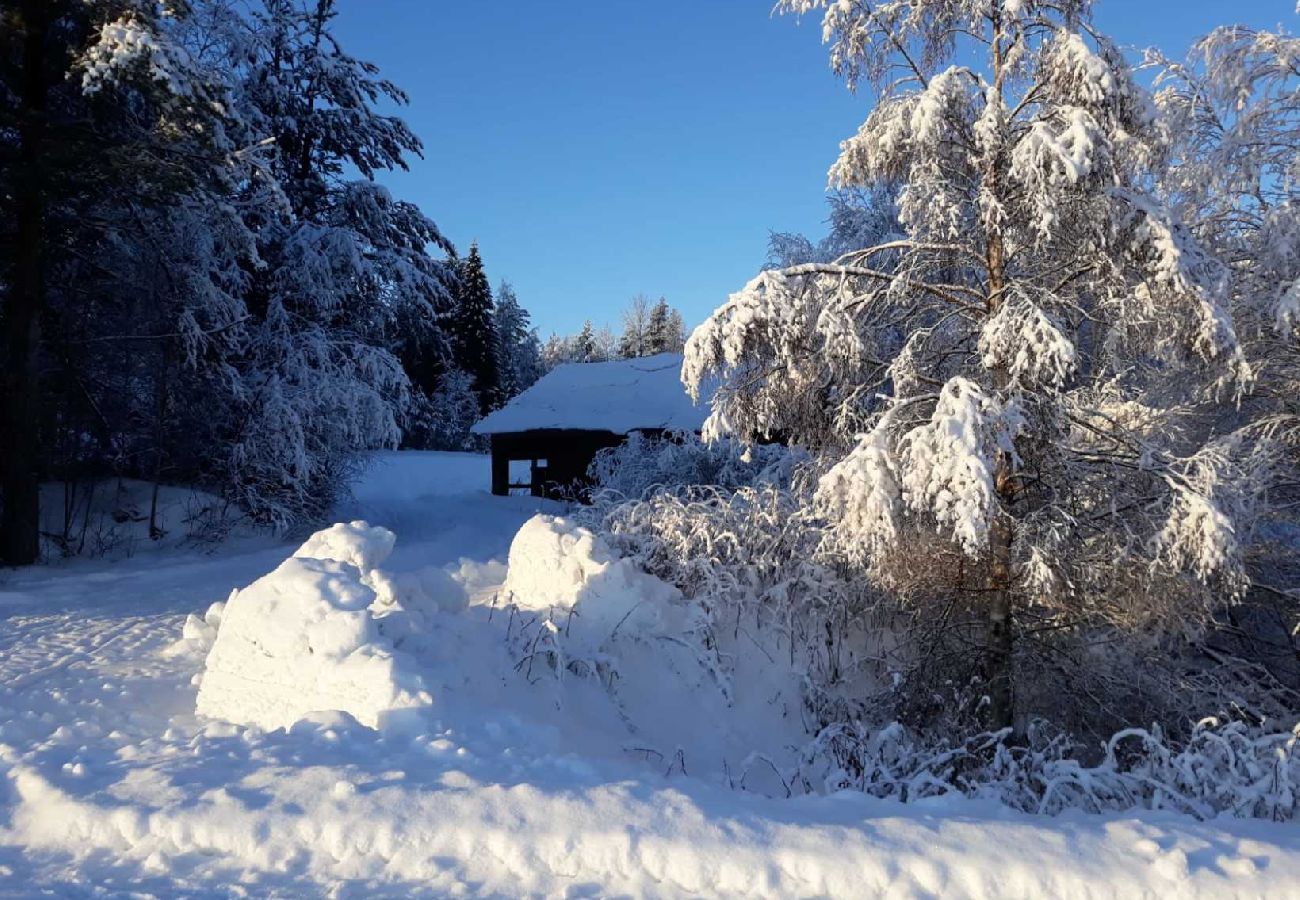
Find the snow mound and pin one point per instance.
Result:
(570, 576)
(198, 633)
(356, 543)
(305, 639)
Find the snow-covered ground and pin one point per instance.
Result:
(504, 786)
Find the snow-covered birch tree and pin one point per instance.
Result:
(1231, 111)
(1021, 389)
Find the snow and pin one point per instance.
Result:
(509, 786)
(565, 571)
(304, 639)
(620, 396)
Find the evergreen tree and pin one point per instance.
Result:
(473, 332)
(105, 119)
(664, 330)
(519, 353)
(583, 348)
(205, 293)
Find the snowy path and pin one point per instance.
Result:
(115, 787)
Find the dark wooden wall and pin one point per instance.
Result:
(568, 453)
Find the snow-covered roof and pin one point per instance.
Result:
(620, 396)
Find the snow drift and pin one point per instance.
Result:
(572, 579)
(305, 639)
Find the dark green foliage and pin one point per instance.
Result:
(473, 333)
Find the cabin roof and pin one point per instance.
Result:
(620, 396)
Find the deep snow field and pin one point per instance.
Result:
(483, 775)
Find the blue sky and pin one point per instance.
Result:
(600, 148)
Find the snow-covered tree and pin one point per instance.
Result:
(1023, 388)
(346, 267)
(636, 324)
(582, 348)
(859, 217)
(473, 332)
(665, 331)
(519, 353)
(1231, 111)
(107, 118)
(650, 328)
(555, 351)
(216, 295)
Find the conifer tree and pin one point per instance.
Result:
(519, 353)
(584, 344)
(101, 116)
(473, 332)
(664, 331)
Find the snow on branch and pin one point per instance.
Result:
(129, 41)
(1027, 343)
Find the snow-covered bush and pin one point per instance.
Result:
(1220, 769)
(644, 463)
(750, 557)
(573, 602)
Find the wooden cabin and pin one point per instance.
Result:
(544, 440)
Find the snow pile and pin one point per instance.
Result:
(198, 633)
(586, 595)
(305, 638)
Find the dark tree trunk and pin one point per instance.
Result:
(19, 387)
(1000, 639)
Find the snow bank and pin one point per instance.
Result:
(305, 639)
(571, 578)
(457, 835)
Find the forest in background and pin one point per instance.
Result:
(203, 283)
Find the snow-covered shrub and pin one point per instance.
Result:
(573, 601)
(751, 558)
(1222, 768)
(644, 463)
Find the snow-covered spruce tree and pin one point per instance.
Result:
(473, 330)
(582, 347)
(1033, 370)
(1231, 111)
(664, 332)
(519, 353)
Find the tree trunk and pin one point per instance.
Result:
(19, 393)
(999, 638)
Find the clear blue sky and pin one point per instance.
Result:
(600, 148)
